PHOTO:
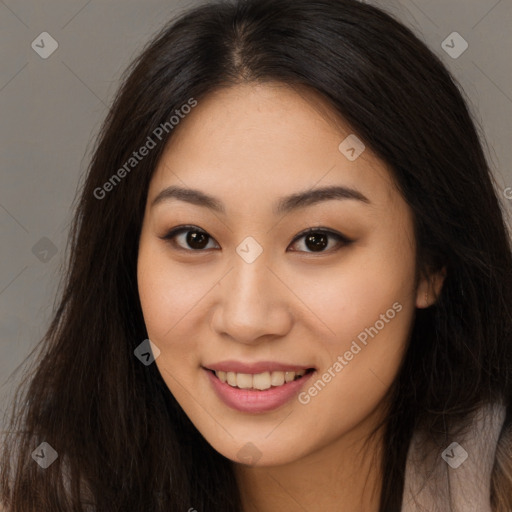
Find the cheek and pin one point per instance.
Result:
(169, 298)
(347, 300)
(369, 308)
(372, 323)
(169, 301)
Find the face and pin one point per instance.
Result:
(237, 284)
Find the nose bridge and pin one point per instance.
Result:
(250, 277)
(251, 304)
(248, 287)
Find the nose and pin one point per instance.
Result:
(253, 304)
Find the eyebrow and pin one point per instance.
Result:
(284, 205)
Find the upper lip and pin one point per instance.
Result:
(255, 367)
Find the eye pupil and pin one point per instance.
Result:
(197, 240)
(314, 244)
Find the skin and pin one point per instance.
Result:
(249, 145)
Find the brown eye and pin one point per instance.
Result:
(316, 240)
(195, 239)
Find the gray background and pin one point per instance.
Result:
(52, 108)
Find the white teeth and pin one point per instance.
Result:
(259, 381)
(231, 378)
(244, 380)
(277, 378)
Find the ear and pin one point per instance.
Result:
(429, 288)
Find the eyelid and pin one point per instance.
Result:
(321, 229)
(341, 239)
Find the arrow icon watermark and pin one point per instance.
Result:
(454, 455)
(351, 147)
(44, 45)
(45, 455)
(249, 249)
(147, 352)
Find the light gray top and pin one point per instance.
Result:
(455, 478)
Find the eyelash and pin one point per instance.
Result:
(341, 239)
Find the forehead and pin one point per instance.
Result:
(267, 139)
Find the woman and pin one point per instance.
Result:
(289, 283)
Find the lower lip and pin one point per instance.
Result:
(246, 400)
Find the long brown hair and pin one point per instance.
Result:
(123, 442)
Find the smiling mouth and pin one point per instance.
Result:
(260, 381)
